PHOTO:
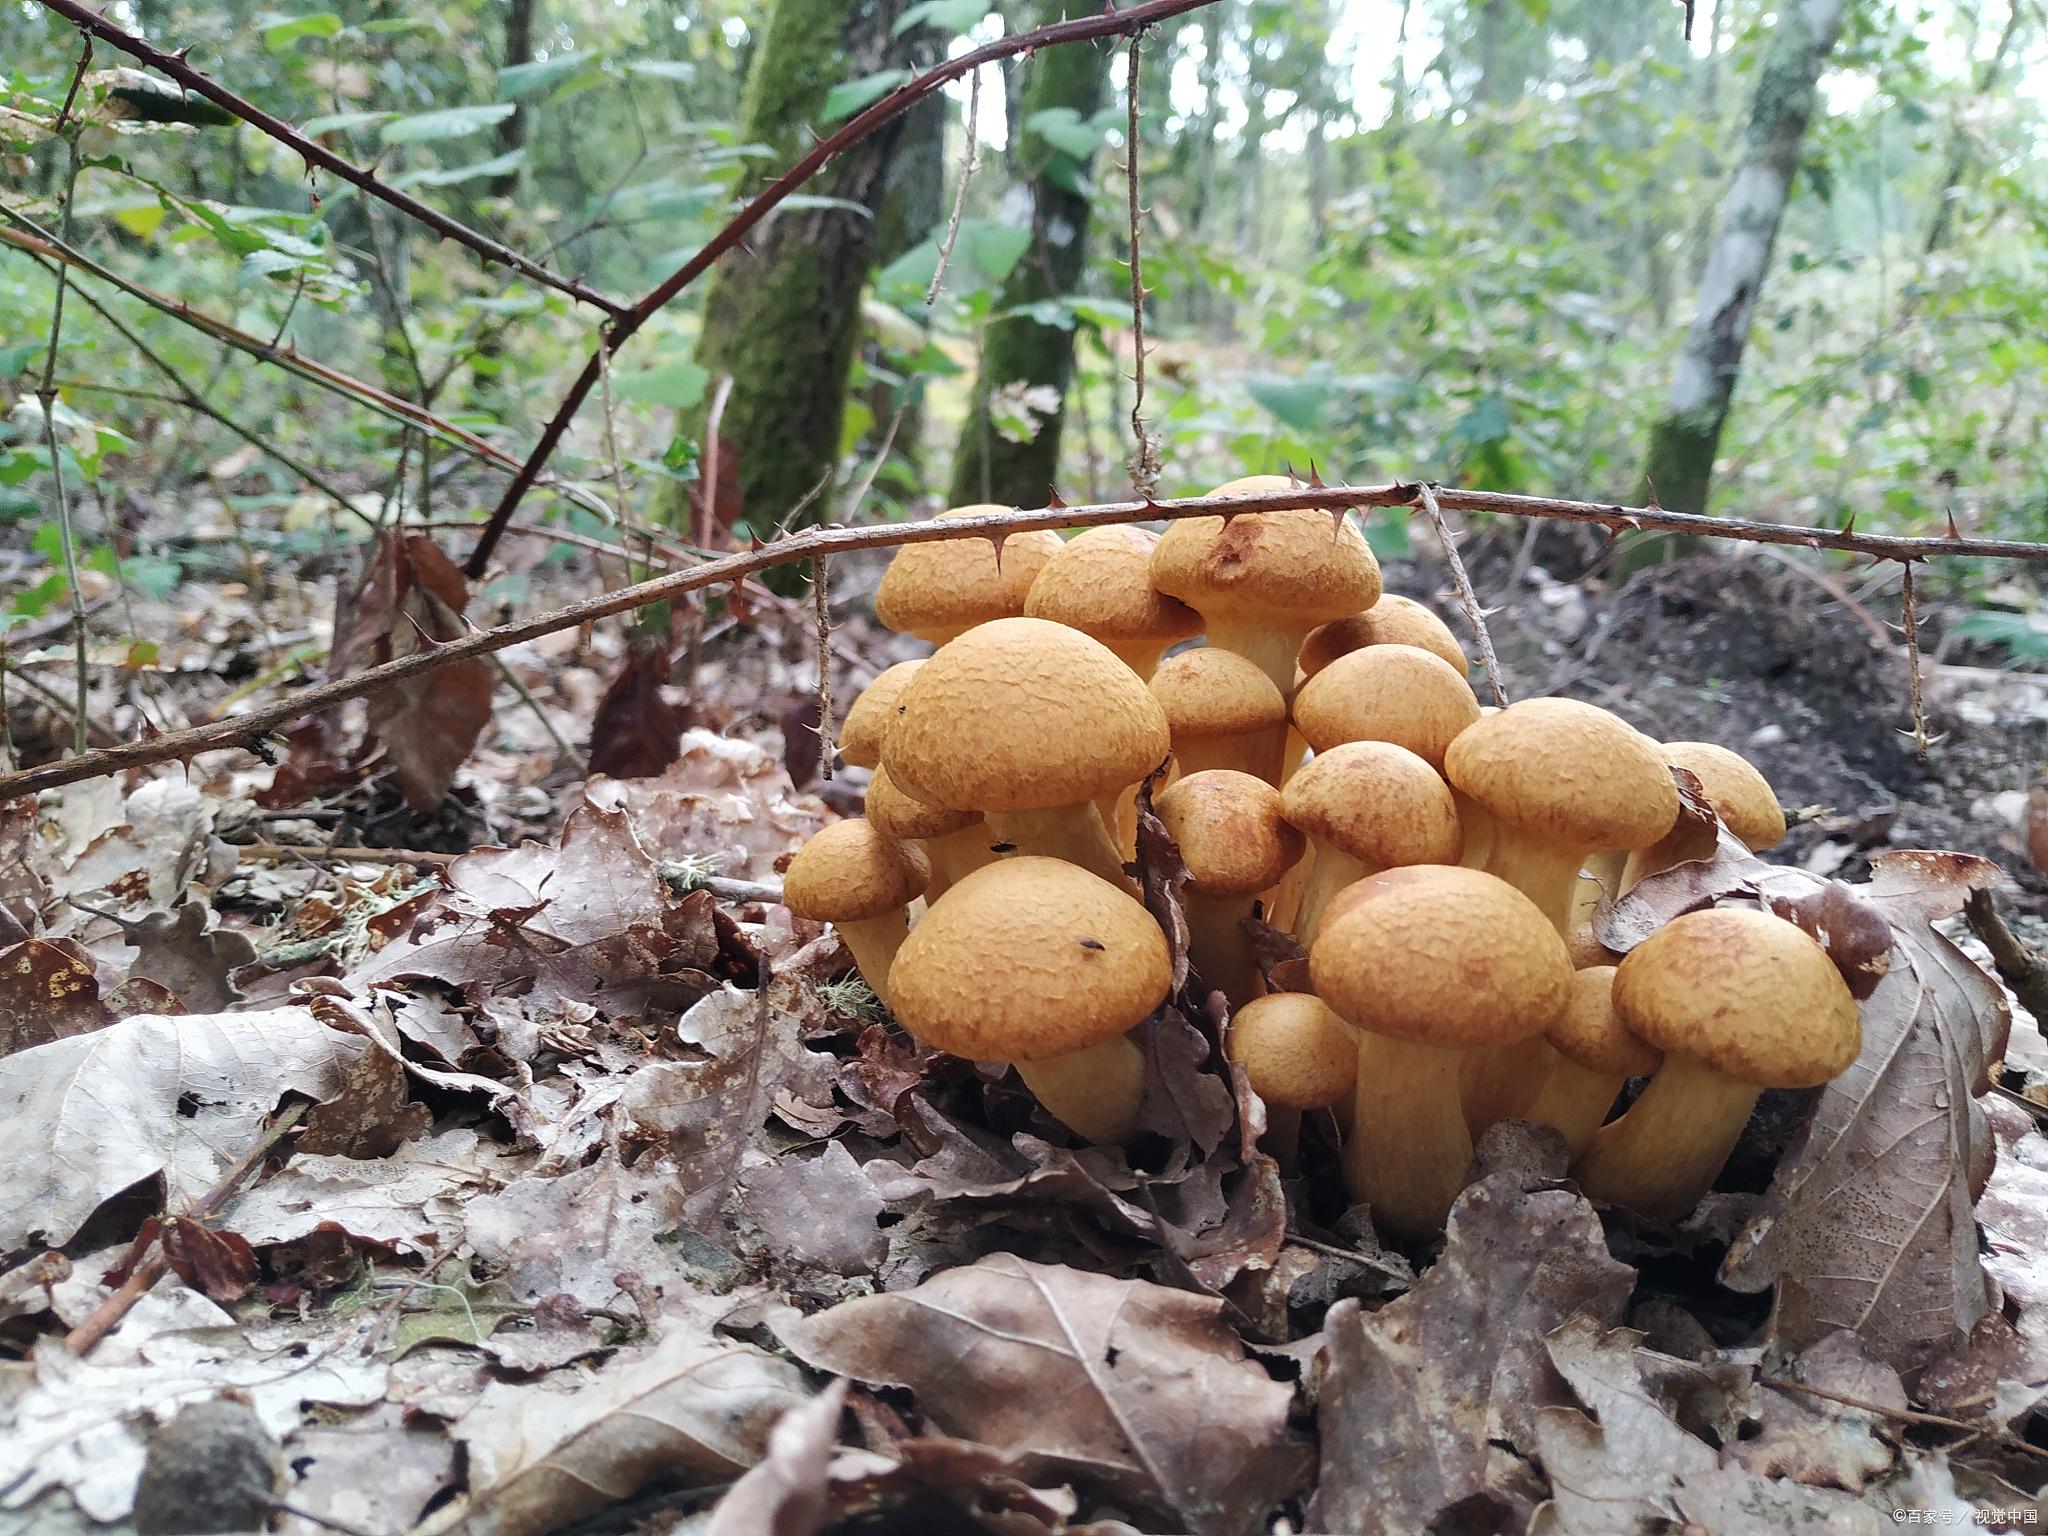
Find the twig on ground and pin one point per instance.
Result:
(967, 169)
(314, 853)
(2018, 964)
(1467, 598)
(795, 547)
(1144, 446)
(106, 1317)
(1905, 1415)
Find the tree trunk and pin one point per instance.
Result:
(511, 134)
(1686, 438)
(783, 314)
(1018, 352)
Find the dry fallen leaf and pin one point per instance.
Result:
(47, 992)
(1142, 1390)
(175, 950)
(786, 1495)
(724, 802)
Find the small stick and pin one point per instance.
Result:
(1910, 623)
(821, 596)
(106, 1317)
(1467, 598)
(967, 170)
(1904, 1415)
(1144, 447)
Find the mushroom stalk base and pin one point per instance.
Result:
(1409, 1150)
(1220, 948)
(873, 942)
(1545, 872)
(1574, 1100)
(1664, 1154)
(1095, 1093)
(1501, 1082)
(1075, 833)
(1333, 869)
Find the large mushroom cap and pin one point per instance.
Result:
(1397, 693)
(1296, 1053)
(1027, 959)
(1230, 831)
(1100, 582)
(1740, 795)
(1441, 956)
(1300, 562)
(1023, 714)
(1591, 1034)
(873, 713)
(1568, 773)
(1393, 620)
(941, 589)
(1377, 802)
(849, 871)
(1211, 692)
(1745, 993)
(895, 814)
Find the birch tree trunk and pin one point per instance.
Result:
(1686, 438)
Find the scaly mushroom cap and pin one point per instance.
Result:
(1744, 993)
(1568, 773)
(1299, 564)
(1297, 1054)
(1230, 831)
(1587, 951)
(1210, 692)
(1021, 715)
(895, 814)
(1397, 693)
(1589, 1032)
(1441, 956)
(1377, 802)
(1027, 959)
(849, 871)
(873, 714)
(938, 590)
(1393, 620)
(1100, 583)
(1740, 795)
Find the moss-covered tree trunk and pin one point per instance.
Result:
(783, 314)
(1679, 469)
(1027, 364)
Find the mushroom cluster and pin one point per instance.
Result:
(1326, 771)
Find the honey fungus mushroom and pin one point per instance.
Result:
(1038, 963)
(1740, 795)
(1235, 843)
(943, 588)
(1395, 693)
(1393, 620)
(862, 883)
(1221, 712)
(1296, 1055)
(1028, 723)
(957, 843)
(872, 714)
(1100, 582)
(1738, 1001)
(1366, 806)
(1595, 1054)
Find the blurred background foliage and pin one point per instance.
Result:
(1451, 238)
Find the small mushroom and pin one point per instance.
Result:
(1740, 796)
(862, 883)
(1738, 1001)
(1040, 964)
(1394, 693)
(1366, 806)
(1236, 844)
(1429, 962)
(1393, 620)
(956, 842)
(1029, 723)
(872, 714)
(1594, 1056)
(941, 589)
(1297, 1055)
(1100, 582)
(1221, 712)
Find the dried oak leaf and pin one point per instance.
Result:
(636, 732)
(689, 1410)
(1140, 1390)
(786, 1494)
(1427, 1402)
(1823, 1440)
(47, 992)
(577, 1233)
(151, 1097)
(428, 723)
(1868, 1224)
(196, 967)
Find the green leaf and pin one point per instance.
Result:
(1300, 403)
(528, 79)
(994, 248)
(1484, 424)
(1919, 386)
(949, 16)
(850, 96)
(342, 122)
(1538, 11)
(1065, 130)
(453, 175)
(447, 123)
(678, 70)
(14, 359)
(280, 32)
(679, 384)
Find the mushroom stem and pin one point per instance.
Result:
(1257, 753)
(1663, 1155)
(1477, 824)
(1545, 872)
(1075, 833)
(1574, 1099)
(1283, 901)
(873, 942)
(1273, 651)
(1095, 1093)
(956, 855)
(1602, 877)
(1141, 656)
(1293, 753)
(1500, 1084)
(1330, 871)
(1220, 948)
(1409, 1150)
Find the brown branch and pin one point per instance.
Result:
(1144, 447)
(1909, 626)
(1108, 23)
(173, 66)
(1467, 598)
(821, 595)
(812, 542)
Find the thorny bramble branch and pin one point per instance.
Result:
(814, 542)
(1144, 447)
(1468, 599)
